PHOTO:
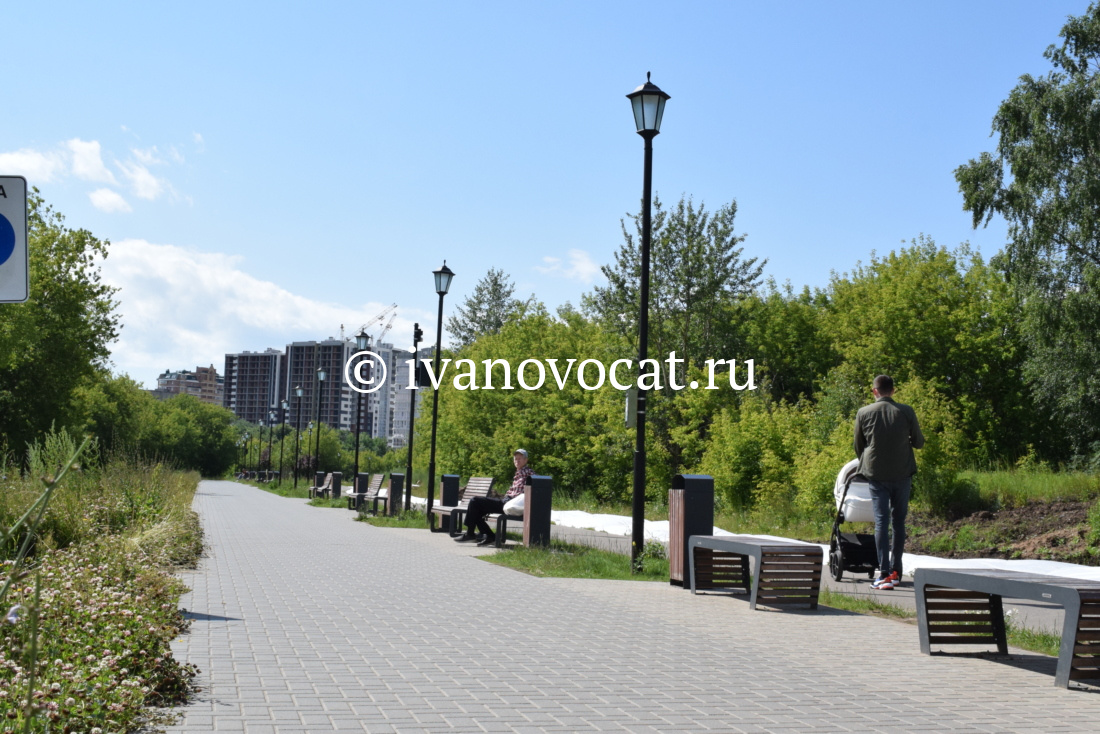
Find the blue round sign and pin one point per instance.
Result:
(7, 239)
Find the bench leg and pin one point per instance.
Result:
(502, 529)
(456, 518)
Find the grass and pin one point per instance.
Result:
(410, 519)
(93, 610)
(1043, 642)
(302, 492)
(564, 560)
(1018, 487)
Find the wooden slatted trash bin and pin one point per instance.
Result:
(690, 512)
(536, 510)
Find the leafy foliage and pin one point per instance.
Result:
(1042, 179)
(60, 336)
(485, 310)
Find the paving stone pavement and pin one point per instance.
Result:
(306, 621)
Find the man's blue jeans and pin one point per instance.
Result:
(890, 501)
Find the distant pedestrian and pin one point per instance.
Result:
(481, 506)
(886, 433)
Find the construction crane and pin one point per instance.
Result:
(388, 311)
(389, 324)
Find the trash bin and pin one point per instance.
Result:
(536, 510)
(690, 512)
(448, 497)
(396, 493)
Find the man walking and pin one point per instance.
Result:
(885, 436)
(481, 506)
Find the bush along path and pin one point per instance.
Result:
(86, 627)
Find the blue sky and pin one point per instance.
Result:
(269, 171)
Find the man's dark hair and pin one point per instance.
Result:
(884, 384)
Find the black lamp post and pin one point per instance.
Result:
(320, 388)
(297, 430)
(362, 342)
(443, 278)
(309, 440)
(282, 437)
(648, 102)
(418, 335)
(270, 439)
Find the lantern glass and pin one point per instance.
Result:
(443, 278)
(321, 375)
(362, 341)
(298, 390)
(648, 103)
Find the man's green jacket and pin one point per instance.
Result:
(886, 434)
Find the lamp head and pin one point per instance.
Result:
(443, 278)
(648, 102)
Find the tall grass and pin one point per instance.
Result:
(85, 644)
(1009, 488)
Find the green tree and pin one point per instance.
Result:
(1042, 178)
(696, 270)
(698, 274)
(947, 318)
(59, 338)
(485, 310)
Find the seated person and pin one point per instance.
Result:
(479, 507)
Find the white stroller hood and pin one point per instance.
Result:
(857, 504)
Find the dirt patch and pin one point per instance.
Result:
(1056, 531)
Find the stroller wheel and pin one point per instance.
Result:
(836, 564)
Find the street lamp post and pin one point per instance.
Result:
(648, 102)
(270, 440)
(309, 440)
(443, 278)
(320, 388)
(297, 430)
(362, 341)
(282, 438)
(418, 335)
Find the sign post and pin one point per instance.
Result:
(15, 276)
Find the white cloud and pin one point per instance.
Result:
(147, 157)
(108, 200)
(36, 166)
(181, 308)
(581, 267)
(88, 161)
(143, 183)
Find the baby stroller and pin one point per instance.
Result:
(853, 552)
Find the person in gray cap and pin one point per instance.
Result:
(481, 506)
(885, 435)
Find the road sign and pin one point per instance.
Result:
(15, 277)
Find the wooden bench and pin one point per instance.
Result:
(320, 491)
(964, 607)
(786, 572)
(358, 500)
(476, 487)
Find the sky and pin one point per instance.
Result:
(269, 172)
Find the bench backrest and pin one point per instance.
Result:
(374, 486)
(328, 482)
(476, 487)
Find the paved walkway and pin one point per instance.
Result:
(305, 621)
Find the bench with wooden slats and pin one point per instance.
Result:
(476, 487)
(358, 500)
(786, 572)
(322, 489)
(964, 607)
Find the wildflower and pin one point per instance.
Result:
(55, 687)
(13, 614)
(70, 701)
